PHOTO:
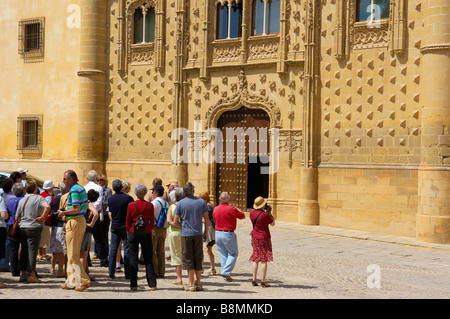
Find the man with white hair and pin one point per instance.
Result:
(98, 204)
(225, 217)
(92, 178)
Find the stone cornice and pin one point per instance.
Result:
(88, 72)
(435, 47)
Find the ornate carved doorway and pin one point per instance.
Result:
(245, 132)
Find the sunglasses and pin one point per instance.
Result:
(100, 180)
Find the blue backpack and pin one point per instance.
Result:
(161, 222)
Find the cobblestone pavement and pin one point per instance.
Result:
(309, 262)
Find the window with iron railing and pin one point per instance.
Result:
(29, 133)
(31, 38)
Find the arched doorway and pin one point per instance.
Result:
(245, 134)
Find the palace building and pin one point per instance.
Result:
(338, 111)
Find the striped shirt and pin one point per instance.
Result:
(77, 196)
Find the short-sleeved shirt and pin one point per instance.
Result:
(191, 210)
(98, 203)
(225, 217)
(12, 207)
(77, 196)
(118, 206)
(261, 228)
(157, 207)
(34, 208)
(2, 209)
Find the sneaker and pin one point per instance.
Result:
(153, 288)
(133, 288)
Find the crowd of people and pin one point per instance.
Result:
(124, 230)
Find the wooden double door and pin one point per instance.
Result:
(245, 134)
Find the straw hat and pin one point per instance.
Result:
(260, 202)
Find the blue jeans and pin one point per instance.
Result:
(116, 237)
(227, 247)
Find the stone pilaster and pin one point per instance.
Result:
(433, 219)
(179, 170)
(308, 212)
(91, 103)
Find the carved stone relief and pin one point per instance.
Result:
(243, 97)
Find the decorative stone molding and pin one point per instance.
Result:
(365, 36)
(290, 140)
(435, 47)
(142, 53)
(90, 72)
(263, 48)
(352, 35)
(226, 51)
(243, 98)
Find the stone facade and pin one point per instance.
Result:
(362, 110)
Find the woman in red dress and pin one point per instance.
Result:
(261, 218)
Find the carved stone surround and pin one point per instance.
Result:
(353, 35)
(142, 53)
(242, 97)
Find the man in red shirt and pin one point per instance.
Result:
(225, 217)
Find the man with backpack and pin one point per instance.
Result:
(161, 207)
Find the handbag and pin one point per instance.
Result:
(13, 232)
(51, 219)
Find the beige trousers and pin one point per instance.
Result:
(76, 276)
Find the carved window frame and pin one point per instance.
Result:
(352, 35)
(266, 15)
(249, 48)
(144, 53)
(227, 3)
